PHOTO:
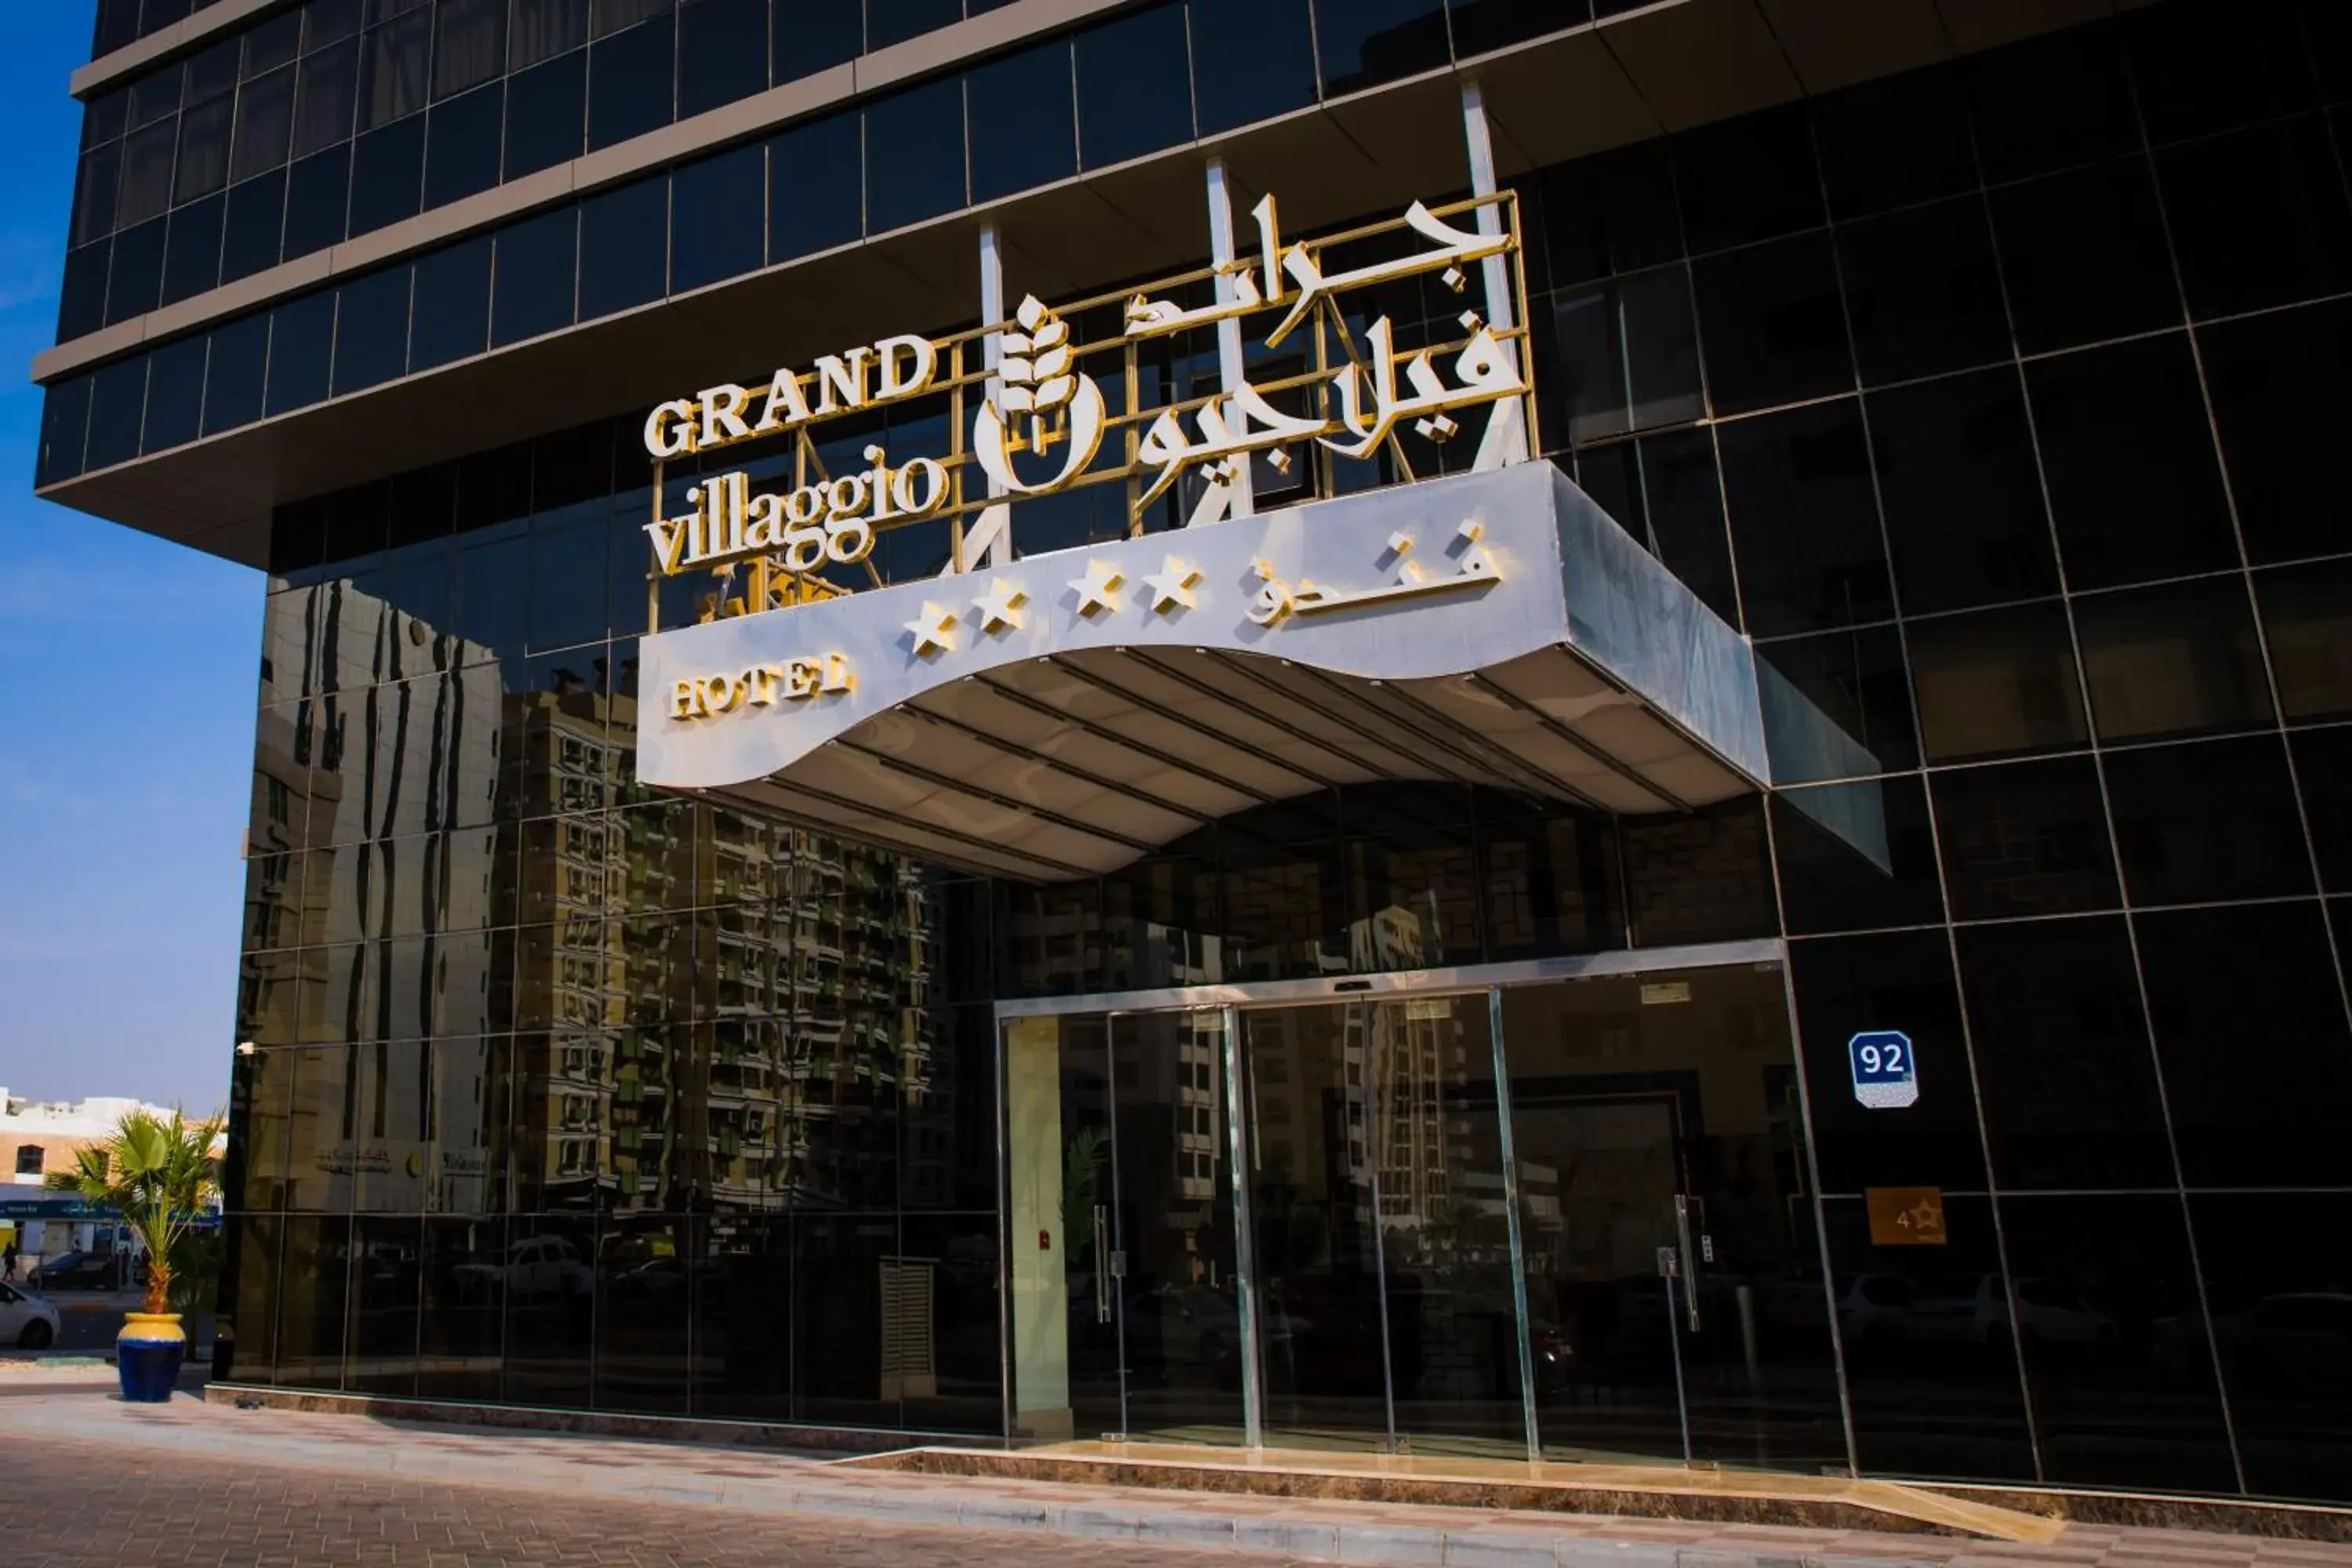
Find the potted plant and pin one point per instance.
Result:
(156, 1172)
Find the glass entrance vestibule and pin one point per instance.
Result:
(1560, 1210)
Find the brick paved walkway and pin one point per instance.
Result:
(85, 1479)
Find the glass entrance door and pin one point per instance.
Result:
(1589, 1233)
(1381, 1239)
(1126, 1320)
(1674, 1284)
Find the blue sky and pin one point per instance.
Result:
(128, 670)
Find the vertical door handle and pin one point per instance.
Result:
(1689, 1257)
(1102, 1263)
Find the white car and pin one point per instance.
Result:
(25, 1321)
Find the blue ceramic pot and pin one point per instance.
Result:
(148, 1353)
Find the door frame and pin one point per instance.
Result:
(1489, 980)
(1463, 978)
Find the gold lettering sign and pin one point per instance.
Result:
(762, 686)
(1035, 418)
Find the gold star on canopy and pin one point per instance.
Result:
(932, 630)
(1172, 585)
(1098, 589)
(1001, 606)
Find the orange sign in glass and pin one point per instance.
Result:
(1906, 1216)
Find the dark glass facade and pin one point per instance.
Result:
(1995, 401)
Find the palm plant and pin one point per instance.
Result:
(157, 1173)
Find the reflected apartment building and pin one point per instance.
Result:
(1503, 728)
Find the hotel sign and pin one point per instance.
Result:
(1029, 414)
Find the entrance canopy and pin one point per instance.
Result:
(1065, 714)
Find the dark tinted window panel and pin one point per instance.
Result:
(623, 238)
(1892, 1372)
(2214, 820)
(721, 205)
(2282, 388)
(1894, 142)
(2028, 838)
(302, 347)
(1364, 43)
(914, 156)
(1665, 491)
(2129, 454)
(1135, 86)
(814, 35)
(2259, 217)
(2084, 256)
(2062, 1055)
(1614, 212)
(318, 197)
(105, 117)
(2056, 100)
(544, 29)
(175, 395)
(891, 22)
(273, 44)
(387, 175)
(1027, 136)
(537, 262)
(213, 72)
(2322, 769)
(1904, 982)
(2220, 983)
(117, 26)
(2106, 1322)
(461, 145)
(372, 330)
(192, 252)
(1772, 325)
(323, 100)
(134, 282)
(1265, 51)
(1923, 292)
(1628, 356)
(94, 192)
(1996, 683)
(629, 87)
(469, 44)
(1483, 24)
(257, 219)
(146, 188)
(2307, 620)
(2201, 67)
(1853, 680)
(1961, 493)
(233, 378)
(203, 164)
(156, 95)
(65, 425)
(547, 108)
(817, 189)
(1702, 877)
(392, 60)
(81, 296)
(118, 401)
(265, 124)
(2178, 659)
(722, 53)
(452, 311)
(1855, 857)
(1805, 524)
(2273, 1295)
(1747, 179)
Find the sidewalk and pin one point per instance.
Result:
(767, 1484)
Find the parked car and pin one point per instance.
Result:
(25, 1321)
(77, 1271)
(537, 1267)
